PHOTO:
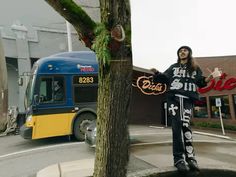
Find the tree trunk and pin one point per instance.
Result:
(113, 112)
(115, 79)
(3, 89)
(114, 94)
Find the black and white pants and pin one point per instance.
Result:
(180, 112)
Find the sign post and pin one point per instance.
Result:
(218, 104)
(165, 107)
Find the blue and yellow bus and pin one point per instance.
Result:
(61, 96)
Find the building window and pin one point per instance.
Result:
(225, 111)
(200, 108)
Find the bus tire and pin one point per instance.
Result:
(81, 124)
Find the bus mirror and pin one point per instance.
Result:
(36, 99)
(20, 81)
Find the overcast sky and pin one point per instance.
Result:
(160, 27)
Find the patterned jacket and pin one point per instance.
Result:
(181, 82)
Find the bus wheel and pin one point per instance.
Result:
(81, 124)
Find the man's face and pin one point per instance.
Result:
(183, 53)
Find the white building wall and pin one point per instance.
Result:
(32, 29)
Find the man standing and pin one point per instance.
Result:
(183, 78)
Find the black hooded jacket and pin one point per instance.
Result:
(181, 82)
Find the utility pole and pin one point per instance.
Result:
(68, 29)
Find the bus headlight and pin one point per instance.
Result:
(29, 121)
(29, 118)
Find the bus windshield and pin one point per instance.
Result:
(29, 89)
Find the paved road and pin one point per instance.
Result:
(14, 143)
(23, 158)
(27, 163)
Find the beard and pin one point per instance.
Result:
(183, 59)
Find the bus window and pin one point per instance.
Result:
(52, 90)
(85, 88)
(82, 96)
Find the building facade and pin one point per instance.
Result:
(33, 30)
(152, 109)
(222, 89)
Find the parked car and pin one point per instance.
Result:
(90, 134)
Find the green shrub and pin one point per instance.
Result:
(214, 125)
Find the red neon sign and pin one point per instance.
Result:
(219, 85)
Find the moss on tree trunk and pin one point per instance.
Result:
(113, 109)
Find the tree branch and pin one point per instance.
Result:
(74, 14)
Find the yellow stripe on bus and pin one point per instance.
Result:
(52, 125)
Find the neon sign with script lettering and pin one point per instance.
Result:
(221, 84)
(148, 87)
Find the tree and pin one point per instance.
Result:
(110, 39)
(3, 89)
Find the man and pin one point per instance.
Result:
(58, 91)
(183, 79)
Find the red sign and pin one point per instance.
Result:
(85, 68)
(221, 84)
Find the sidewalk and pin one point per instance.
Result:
(141, 164)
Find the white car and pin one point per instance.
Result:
(90, 134)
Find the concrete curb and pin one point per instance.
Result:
(195, 142)
(50, 171)
(86, 166)
(143, 173)
(213, 135)
(68, 169)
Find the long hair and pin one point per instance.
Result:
(191, 64)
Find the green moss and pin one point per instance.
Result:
(100, 45)
(214, 125)
(128, 35)
(78, 13)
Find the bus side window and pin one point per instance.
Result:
(45, 91)
(52, 90)
(85, 88)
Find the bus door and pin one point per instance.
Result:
(51, 113)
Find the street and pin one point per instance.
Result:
(14, 143)
(24, 158)
(32, 156)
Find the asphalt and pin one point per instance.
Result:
(143, 164)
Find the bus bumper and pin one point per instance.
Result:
(26, 132)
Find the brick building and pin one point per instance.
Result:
(223, 88)
(150, 108)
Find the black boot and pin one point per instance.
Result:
(193, 165)
(182, 167)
